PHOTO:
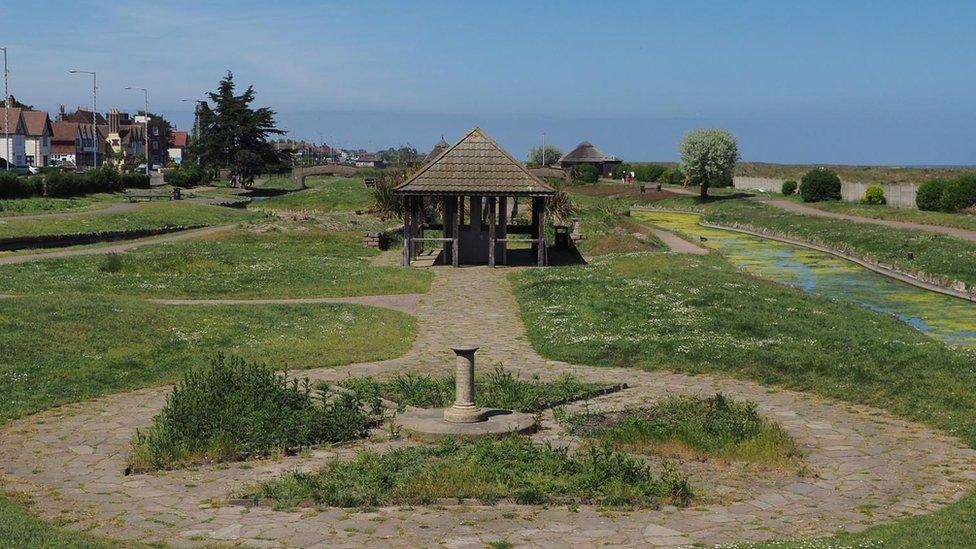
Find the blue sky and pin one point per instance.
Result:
(890, 82)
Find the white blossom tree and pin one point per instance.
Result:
(708, 155)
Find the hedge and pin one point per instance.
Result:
(820, 184)
(648, 172)
(585, 173)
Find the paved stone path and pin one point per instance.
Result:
(791, 206)
(865, 466)
(118, 247)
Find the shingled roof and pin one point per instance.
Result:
(586, 152)
(475, 165)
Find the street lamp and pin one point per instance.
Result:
(6, 114)
(145, 112)
(94, 113)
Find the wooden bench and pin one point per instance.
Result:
(148, 194)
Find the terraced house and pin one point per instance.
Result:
(37, 141)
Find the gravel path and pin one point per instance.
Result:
(794, 207)
(71, 460)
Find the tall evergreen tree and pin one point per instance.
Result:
(235, 136)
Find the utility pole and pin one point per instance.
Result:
(145, 111)
(6, 114)
(543, 149)
(94, 113)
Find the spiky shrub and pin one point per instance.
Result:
(234, 409)
(385, 202)
(560, 205)
(789, 187)
(820, 184)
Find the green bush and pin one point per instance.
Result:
(620, 170)
(234, 409)
(874, 196)
(820, 184)
(585, 173)
(929, 195)
(671, 176)
(187, 175)
(648, 172)
(14, 186)
(134, 181)
(66, 184)
(103, 179)
(789, 187)
(960, 193)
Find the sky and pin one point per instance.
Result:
(852, 82)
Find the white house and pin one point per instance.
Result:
(12, 149)
(37, 143)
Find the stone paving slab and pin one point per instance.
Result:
(71, 460)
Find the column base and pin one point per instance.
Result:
(464, 414)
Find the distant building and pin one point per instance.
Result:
(68, 143)
(440, 147)
(13, 149)
(369, 160)
(125, 136)
(586, 153)
(178, 142)
(37, 142)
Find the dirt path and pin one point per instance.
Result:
(807, 210)
(71, 460)
(117, 247)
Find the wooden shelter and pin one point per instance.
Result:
(586, 153)
(473, 181)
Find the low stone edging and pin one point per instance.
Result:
(942, 285)
(62, 240)
(380, 239)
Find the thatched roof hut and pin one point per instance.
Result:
(586, 153)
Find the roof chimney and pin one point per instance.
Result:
(113, 121)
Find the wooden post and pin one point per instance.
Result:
(417, 226)
(458, 210)
(540, 204)
(406, 232)
(492, 221)
(534, 231)
(448, 227)
(503, 226)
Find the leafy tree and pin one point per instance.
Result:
(708, 156)
(552, 154)
(16, 104)
(235, 136)
(403, 155)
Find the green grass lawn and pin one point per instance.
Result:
(152, 215)
(19, 529)
(935, 254)
(286, 261)
(701, 315)
(43, 205)
(606, 228)
(325, 194)
(65, 348)
(958, 220)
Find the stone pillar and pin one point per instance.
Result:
(464, 410)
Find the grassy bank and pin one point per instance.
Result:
(606, 228)
(43, 205)
(934, 254)
(151, 215)
(289, 261)
(68, 348)
(861, 174)
(325, 194)
(958, 220)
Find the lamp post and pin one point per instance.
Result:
(543, 149)
(145, 112)
(6, 115)
(94, 113)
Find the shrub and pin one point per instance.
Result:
(102, 180)
(874, 195)
(929, 195)
(14, 186)
(960, 193)
(234, 409)
(66, 184)
(134, 181)
(621, 169)
(187, 175)
(111, 263)
(820, 184)
(585, 173)
(385, 202)
(648, 172)
(789, 187)
(671, 176)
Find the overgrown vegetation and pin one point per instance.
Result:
(820, 184)
(325, 194)
(960, 220)
(874, 196)
(585, 173)
(695, 426)
(499, 388)
(941, 195)
(234, 410)
(69, 184)
(700, 314)
(487, 470)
